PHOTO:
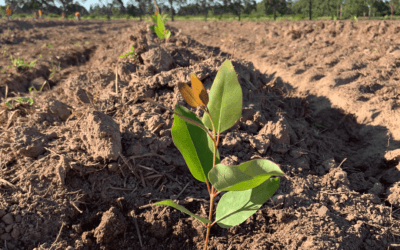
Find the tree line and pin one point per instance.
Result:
(276, 8)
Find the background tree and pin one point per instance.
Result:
(65, 4)
(273, 6)
(204, 6)
(180, 2)
(250, 7)
(369, 3)
(142, 6)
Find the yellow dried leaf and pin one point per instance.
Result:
(199, 92)
(187, 94)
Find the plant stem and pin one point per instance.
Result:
(209, 218)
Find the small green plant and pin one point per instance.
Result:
(355, 19)
(53, 69)
(77, 44)
(262, 39)
(19, 63)
(5, 50)
(159, 29)
(248, 185)
(303, 49)
(130, 53)
(86, 42)
(376, 50)
(50, 46)
(3, 71)
(9, 104)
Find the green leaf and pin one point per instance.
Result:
(182, 209)
(159, 33)
(245, 176)
(194, 144)
(152, 28)
(160, 23)
(167, 34)
(235, 207)
(154, 18)
(225, 103)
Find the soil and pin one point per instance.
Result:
(81, 166)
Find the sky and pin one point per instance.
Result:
(90, 2)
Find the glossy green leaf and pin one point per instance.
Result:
(226, 102)
(160, 26)
(245, 176)
(152, 28)
(182, 209)
(194, 144)
(235, 207)
(167, 34)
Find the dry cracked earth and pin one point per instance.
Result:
(81, 165)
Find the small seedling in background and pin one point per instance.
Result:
(86, 42)
(303, 49)
(262, 39)
(19, 63)
(248, 185)
(160, 30)
(53, 69)
(130, 53)
(9, 104)
(5, 50)
(77, 44)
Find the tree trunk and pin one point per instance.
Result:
(310, 9)
(274, 11)
(172, 11)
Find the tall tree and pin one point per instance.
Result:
(65, 4)
(238, 5)
(121, 6)
(180, 2)
(205, 6)
(273, 6)
(250, 7)
(142, 4)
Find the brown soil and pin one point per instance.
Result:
(79, 168)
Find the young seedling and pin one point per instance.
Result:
(248, 185)
(130, 53)
(9, 104)
(54, 69)
(160, 30)
(5, 50)
(19, 63)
